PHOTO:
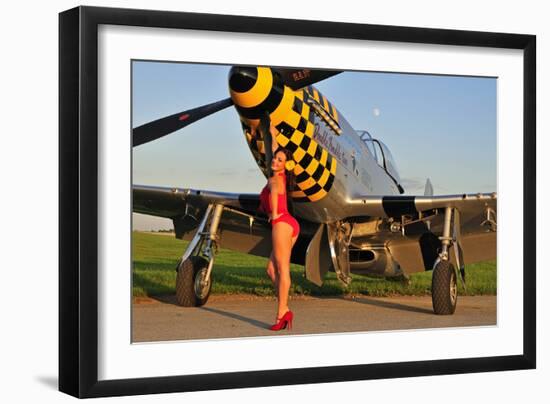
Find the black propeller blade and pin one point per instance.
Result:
(263, 127)
(299, 78)
(164, 126)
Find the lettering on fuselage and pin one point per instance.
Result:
(301, 74)
(294, 119)
(326, 137)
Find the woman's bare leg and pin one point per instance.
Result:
(282, 245)
(272, 271)
(293, 242)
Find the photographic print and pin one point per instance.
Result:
(276, 200)
(309, 184)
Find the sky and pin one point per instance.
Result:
(437, 127)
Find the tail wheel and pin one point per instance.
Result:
(191, 288)
(444, 288)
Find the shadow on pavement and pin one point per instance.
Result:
(388, 305)
(234, 316)
(167, 299)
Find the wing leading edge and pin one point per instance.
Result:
(242, 227)
(400, 205)
(419, 225)
(175, 202)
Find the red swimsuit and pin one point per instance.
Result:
(265, 205)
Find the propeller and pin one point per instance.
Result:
(263, 127)
(299, 78)
(293, 78)
(164, 126)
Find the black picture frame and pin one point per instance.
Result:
(78, 201)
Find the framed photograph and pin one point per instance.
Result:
(181, 269)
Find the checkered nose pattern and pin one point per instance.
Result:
(315, 167)
(294, 120)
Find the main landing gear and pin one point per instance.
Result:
(193, 280)
(339, 237)
(444, 276)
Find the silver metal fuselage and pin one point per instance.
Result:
(358, 174)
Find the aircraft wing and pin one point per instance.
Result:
(175, 202)
(470, 206)
(242, 227)
(420, 220)
(186, 207)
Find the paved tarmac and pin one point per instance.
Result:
(246, 316)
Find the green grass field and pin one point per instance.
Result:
(155, 257)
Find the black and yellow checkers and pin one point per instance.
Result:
(256, 91)
(326, 108)
(256, 145)
(315, 167)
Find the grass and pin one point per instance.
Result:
(155, 258)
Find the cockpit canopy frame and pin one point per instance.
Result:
(381, 154)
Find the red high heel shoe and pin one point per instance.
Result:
(283, 322)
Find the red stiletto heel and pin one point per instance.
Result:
(278, 326)
(283, 322)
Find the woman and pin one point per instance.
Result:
(285, 230)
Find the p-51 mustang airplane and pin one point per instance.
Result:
(348, 196)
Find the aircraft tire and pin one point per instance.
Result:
(186, 294)
(444, 288)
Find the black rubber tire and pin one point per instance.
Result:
(444, 288)
(185, 282)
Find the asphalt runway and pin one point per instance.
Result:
(247, 316)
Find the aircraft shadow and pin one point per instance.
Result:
(388, 305)
(167, 299)
(171, 299)
(234, 316)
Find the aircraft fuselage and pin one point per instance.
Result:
(333, 164)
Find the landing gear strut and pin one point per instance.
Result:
(444, 276)
(193, 280)
(339, 237)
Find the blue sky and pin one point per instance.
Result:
(441, 127)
